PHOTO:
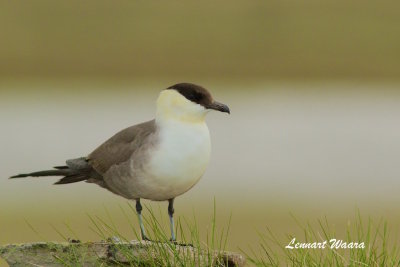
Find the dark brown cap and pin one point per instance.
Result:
(198, 95)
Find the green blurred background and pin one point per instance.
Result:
(213, 39)
(313, 87)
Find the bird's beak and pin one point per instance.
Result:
(219, 106)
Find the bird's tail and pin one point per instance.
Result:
(71, 173)
(42, 173)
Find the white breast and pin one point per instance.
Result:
(179, 160)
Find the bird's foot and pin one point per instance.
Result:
(176, 243)
(74, 241)
(145, 238)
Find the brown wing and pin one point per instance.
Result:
(119, 148)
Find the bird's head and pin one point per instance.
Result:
(187, 102)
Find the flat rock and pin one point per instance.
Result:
(133, 253)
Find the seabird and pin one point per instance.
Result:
(155, 160)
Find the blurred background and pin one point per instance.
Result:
(313, 88)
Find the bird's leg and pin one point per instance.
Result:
(171, 218)
(139, 213)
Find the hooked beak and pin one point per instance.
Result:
(219, 106)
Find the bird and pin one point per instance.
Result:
(157, 160)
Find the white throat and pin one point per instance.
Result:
(171, 105)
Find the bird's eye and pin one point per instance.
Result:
(195, 97)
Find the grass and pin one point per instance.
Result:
(381, 248)
(161, 252)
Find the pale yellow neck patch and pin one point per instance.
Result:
(171, 105)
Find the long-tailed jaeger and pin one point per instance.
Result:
(156, 160)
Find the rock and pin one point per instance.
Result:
(136, 253)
